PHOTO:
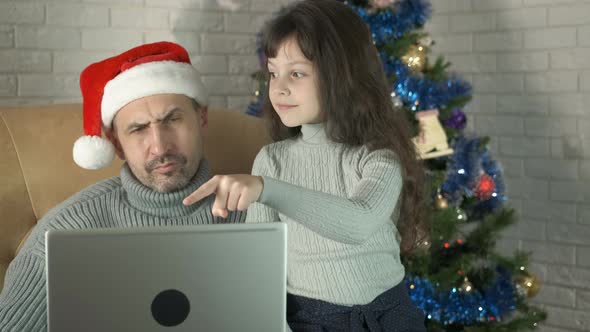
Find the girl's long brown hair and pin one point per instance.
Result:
(353, 91)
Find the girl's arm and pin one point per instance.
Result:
(350, 219)
(258, 212)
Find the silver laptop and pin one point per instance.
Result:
(224, 277)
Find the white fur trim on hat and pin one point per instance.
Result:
(149, 79)
(93, 152)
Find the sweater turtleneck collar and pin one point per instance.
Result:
(314, 133)
(161, 204)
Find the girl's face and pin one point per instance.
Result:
(293, 86)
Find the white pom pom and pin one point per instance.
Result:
(93, 152)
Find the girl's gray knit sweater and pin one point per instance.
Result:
(340, 205)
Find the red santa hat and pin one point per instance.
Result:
(108, 85)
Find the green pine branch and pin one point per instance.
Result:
(482, 239)
(459, 102)
(399, 47)
(437, 178)
(437, 72)
(482, 276)
(526, 318)
(447, 276)
(444, 262)
(418, 263)
(515, 263)
(444, 225)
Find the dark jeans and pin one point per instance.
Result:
(392, 311)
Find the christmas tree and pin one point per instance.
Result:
(454, 273)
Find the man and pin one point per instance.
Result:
(152, 105)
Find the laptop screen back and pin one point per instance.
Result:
(225, 277)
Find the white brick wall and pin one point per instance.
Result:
(44, 45)
(529, 62)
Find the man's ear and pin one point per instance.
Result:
(112, 137)
(204, 117)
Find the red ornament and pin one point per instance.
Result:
(486, 186)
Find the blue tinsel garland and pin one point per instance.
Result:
(420, 93)
(495, 303)
(255, 108)
(393, 23)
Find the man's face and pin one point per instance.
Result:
(160, 137)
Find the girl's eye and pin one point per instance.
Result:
(298, 74)
(272, 74)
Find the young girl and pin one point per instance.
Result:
(343, 174)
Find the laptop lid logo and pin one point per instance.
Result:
(170, 307)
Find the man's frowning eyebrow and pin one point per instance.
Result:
(164, 118)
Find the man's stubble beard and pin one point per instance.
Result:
(168, 182)
(174, 181)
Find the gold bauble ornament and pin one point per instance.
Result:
(415, 58)
(528, 284)
(441, 202)
(466, 286)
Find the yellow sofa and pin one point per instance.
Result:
(37, 171)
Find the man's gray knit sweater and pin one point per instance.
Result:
(340, 206)
(121, 202)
